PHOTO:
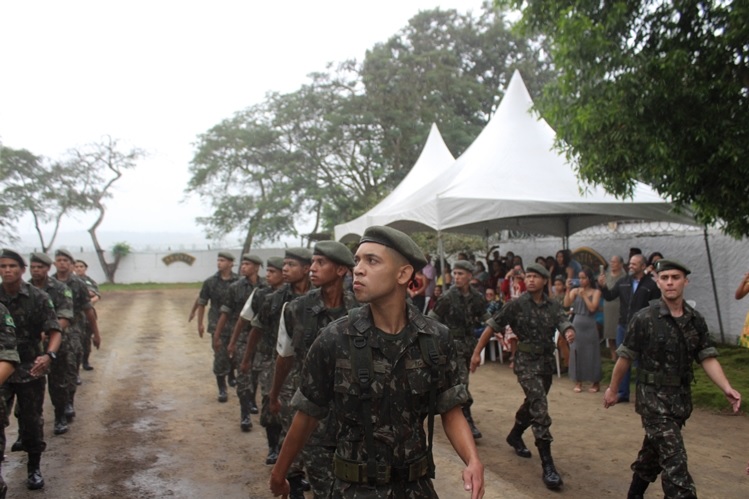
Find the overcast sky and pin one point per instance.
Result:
(155, 74)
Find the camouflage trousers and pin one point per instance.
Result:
(663, 452)
(535, 409)
(71, 361)
(465, 347)
(420, 489)
(30, 399)
(264, 364)
(64, 373)
(221, 362)
(86, 342)
(287, 416)
(247, 382)
(318, 461)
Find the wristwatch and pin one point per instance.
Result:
(52, 355)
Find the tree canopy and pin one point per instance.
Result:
(655, 91)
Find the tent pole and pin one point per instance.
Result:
(715, 289)
(441, 250)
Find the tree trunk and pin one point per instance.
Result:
(110, 269)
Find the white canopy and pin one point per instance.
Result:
(434, 160)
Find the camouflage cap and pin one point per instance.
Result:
(252, 258)
(13, 255)
(537, 269)
(276, 262)
(42, 258)
(463, 265)
(302, 254)
(67, 254)
(336, 252)
(397, 240)
(226, 255)
(664, 264)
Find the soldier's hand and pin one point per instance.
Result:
(610, 397)
(216, 343)
(274, 405)
(473, 479)
(475, 361)
(734, 398)
(279, 486)
(97, 340)
(244, 367)
(231, 349)
(41, 365)
(191, 316)
(201, 330)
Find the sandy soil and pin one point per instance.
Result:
(149, 426)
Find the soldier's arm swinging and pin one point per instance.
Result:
(193, 310)
(238, 326)
(297, 436)
(94, 324)
(219, 327)
(280, 373)
(201, 314)
(486, 336)
(249, 353)
(610, 396)
(458, 432)
(714, 371)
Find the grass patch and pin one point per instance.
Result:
(142, 286)
(735, 362)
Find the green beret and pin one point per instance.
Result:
(336, 252)
(42, 258)
(537, 269)
(276, 262)
(302, 254)
(67, 254)
(252, 258)
(6, 253)
(664, 264)
(397, 240)
(226, 255)
(463, 265)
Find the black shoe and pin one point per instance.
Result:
(222, 396)
(232, 379)
(515, 440)
(272, 456)
(637, 488)
(34, 480)
(221, 382)
(474, 431)
(61, 426)
(253, 408)
(78, 380)
(306, 486)
(296, 489)
(17, 445)
(622, 400)
(549, 473)
(87, 367)
(69, 411)
(246, 424)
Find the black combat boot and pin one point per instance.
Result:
(273, 432)
(61, 422)
(474, 431)
(244, 408)
(34, 480)
(18, 444)
(253, 405)
(222, 395)
(638, 487)
(296, 487)
(86, 365)
(515, 439)
(551, 478)
(232, 379)
(69, 411)
(3, 487)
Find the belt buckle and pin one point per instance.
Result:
(384, 474)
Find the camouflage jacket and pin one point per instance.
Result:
(33, 313)
(214, 290)
(269, 317)
(93, 286)
(8, 351)
(81, 300)
(665, 348)
(62, 297)
(236, 297)
(535, 325)
(400, 388)
(460, 313)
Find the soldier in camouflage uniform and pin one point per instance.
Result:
(263, 338)
(302, 321)
(33, 315)
(534, 318)
(8, 360)
(83, 316)
(59, 375)
(214, 290)
(666, 337)
(385, 368)
(462, 309)
(81, 267)
(237, 295)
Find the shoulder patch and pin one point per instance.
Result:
(9, 320)
(68, 293)
(49, 302)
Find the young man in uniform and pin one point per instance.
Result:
(237, 295)
(81, 267)
(83, 316)
(264, 335)
(60, 375)
(33, 314)
(666, 337)
(301, 323)
(462, 309)
(385, 368)
(534, 318)
(214, 291)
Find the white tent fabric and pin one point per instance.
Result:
(434, 160)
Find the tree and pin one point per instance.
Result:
(653, 91)
(100, 165)
(243, 169)
(42, 188)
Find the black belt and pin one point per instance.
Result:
(662, 379)
(535, 349)
(356, 472)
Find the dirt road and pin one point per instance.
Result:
(149, 426)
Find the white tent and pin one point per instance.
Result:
(434, 160)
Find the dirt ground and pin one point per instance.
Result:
(149, 426)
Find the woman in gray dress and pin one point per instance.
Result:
(585, 354)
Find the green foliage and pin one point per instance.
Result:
(653, 91)
(121, 249)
